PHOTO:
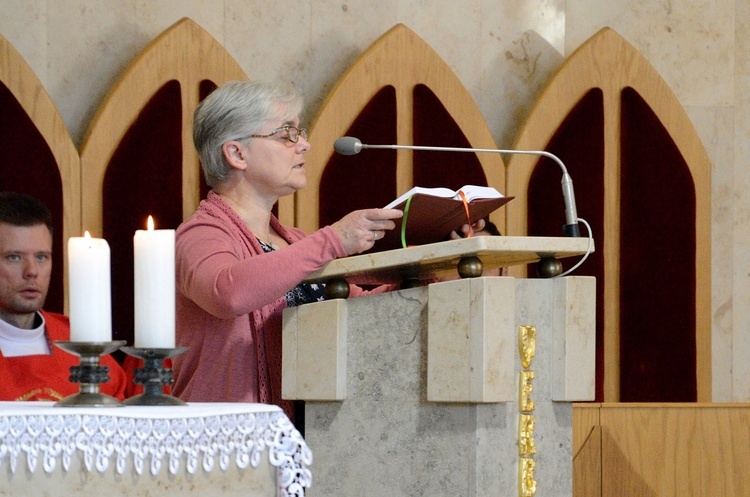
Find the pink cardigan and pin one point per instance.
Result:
(229, 303)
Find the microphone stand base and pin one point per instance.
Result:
(572, 230)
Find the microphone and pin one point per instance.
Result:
(349, 145)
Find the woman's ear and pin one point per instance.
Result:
(235, 154)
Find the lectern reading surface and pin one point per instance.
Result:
(436, 260)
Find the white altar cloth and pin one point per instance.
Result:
(149, 440)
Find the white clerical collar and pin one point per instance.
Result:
(15, 342)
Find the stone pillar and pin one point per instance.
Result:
(432, 398)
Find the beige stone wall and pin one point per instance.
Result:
(503, 51)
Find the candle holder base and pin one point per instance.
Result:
(85, 399)
(89, 374)
(154, 376)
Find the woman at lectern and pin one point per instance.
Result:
(237, 267)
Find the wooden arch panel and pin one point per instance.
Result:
(138, 157)
(399, 91)
(638, 164)
(38, 157)
(184, 54)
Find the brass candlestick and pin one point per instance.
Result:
(154, 376)
(89, 374)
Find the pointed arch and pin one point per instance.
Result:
(186, 62)
(138, 157)
(39, 157)
(627, 96)
(399, 91)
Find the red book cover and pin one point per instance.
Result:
(432, 214)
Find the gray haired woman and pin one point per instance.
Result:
(237, 267)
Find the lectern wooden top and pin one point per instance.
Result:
(438, 260)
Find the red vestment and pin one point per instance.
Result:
(46, 377)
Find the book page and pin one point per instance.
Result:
(435, 192)
(471, 191)
(474, 191)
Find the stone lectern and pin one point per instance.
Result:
(457, 388)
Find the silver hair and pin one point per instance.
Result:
(235, 110)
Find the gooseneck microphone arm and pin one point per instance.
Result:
(348, 145)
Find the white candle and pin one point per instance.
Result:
(153, 252)
(90, 306)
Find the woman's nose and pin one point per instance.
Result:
(303, 145)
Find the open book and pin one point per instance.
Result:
(432, 213)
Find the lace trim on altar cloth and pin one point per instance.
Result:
(242, 438)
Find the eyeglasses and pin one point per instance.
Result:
(293, 133)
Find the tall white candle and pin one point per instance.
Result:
(154, 287)
(90, 308)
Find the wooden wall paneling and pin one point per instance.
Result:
(185, 53)
(587, 450)
(25, 87)
(609, 63)
(587, 466)
(652, 450)
(138, 156)
(398, 60)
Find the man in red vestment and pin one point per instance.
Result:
(31, 366)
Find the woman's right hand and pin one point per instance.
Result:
(359, 230)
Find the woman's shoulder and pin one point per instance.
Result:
(211, 227)
(209, 212)
(204, 225)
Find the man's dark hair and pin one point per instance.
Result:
(20, 209)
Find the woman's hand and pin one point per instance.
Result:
(359, 230)
(466, 229)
